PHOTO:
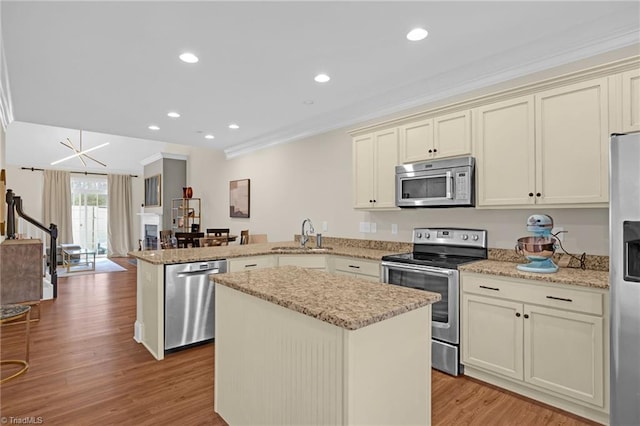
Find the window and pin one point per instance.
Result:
(89, 212)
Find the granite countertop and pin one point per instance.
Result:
(572, 276)
(184, 255)
(347, 302)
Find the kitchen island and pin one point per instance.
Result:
(301, 346)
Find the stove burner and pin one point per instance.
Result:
(436, 260)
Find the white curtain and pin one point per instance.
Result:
(119, 222)
(56, 203)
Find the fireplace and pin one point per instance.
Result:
(150, 231)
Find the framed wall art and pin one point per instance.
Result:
(152, 196)
(239, 198)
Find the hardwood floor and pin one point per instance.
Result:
(85, 368)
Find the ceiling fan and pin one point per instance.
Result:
(78, 152)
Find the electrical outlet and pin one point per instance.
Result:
(374, 227)
(325, 226)
(394, 228)
(560, 236)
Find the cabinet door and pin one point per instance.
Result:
(363, 175)
(304, 261)
(416, 141)
(563, 352)
(572, 136)
(631, 101)
(452, 134)
(505, 152)
(386, 160)
(492, 335)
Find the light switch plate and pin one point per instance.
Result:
(365, 227)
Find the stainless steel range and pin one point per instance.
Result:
(433, 266)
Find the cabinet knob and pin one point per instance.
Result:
(538, 194)
(430, 151)
(531, 194)
(518, 314)
(371, 201)
(526, 315)
(374, 201)
(435, 150)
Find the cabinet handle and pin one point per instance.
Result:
(538, 194)
(526, 315)
(354, 266)
(559, 298)
(531, 194)
(518, 314)
(489, 288)
(250, 265)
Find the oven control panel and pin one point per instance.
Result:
(450, 236)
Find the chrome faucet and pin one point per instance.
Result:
(304, 237)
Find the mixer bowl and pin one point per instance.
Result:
(536, 248)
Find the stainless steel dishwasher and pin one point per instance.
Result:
(189, 302)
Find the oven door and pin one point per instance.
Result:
(437, 280)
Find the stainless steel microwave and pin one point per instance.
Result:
(438, 183)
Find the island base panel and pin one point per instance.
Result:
(277, 366)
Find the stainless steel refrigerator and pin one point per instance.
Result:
(624, 279)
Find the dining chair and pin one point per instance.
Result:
(222, 233)
(244, 237)
(189, 239)
(165, 239)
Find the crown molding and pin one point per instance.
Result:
(161, 155)
(624, 38)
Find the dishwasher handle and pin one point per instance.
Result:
(199, 272)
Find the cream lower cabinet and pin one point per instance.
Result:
(549, 148)
(375, 157)
(304, 261)
(250, 263)
(365, 269)
(548, 342)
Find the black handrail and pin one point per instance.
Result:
(14, 205)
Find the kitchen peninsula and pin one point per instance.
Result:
(150, 315)
(299, 346)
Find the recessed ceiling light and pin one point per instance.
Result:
(209, 136)
(189, 58)
(173, 114)
(308, 102)
(322, 78)
(154, 127)
(417, 34)
(234, 126)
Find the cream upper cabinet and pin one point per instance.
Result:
(505, 152)
(549, 338)
(550, 148)
(631, 101)
(572, 144)
(416, 141)
(375, 157)
(440, 137)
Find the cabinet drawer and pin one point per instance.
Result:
(249, 263)
(534, 293)
(304, 261)
(357, 266)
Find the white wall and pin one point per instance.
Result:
(312, 178)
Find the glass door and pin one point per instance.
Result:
(89, 212)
